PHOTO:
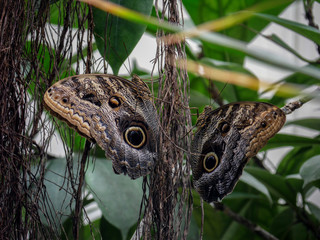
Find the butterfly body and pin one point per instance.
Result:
(226, 138)
(116, 113)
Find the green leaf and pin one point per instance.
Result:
(291, 163)
(312, 123)
(282, 140)
(295, 78)
(57, 196)
(225, 42)
(275, 183)
(310, 170)
(255, 183)
(234, 229)
(67, 229)
(235, 195)
(198, 99)
(283, 44)
(202, 11)
(230, 92)
(299, 78)
(304, 30)
(216, 223)
(315, 210)
(108, 231)
(300, 231)
(57, 8)
(90, 231)
(116, 37)
(118, 196)
(194, 231)
(282, 223)
(295, 181)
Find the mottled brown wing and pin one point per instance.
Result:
(116, 113)
(226, 138)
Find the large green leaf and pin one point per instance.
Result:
(116, 37)
(282, 222)
(315, 210)
(310, 170)
(296, 183)
(275, 183)
(202, 11)
(309, 32)
(255, 183)
(118, 196)
(57, 196)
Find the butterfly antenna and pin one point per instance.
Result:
(215, 93)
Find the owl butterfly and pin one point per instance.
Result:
(226, 138)
(116, 113)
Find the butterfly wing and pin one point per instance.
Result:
(116, 113)
(226, 138)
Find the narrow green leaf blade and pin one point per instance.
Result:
(260, 54)
(304, 30)
(276, 39)
(291, 163)
(283, 140)
(202, 11)
(312, 123)
(275, 183)
(255, 183)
